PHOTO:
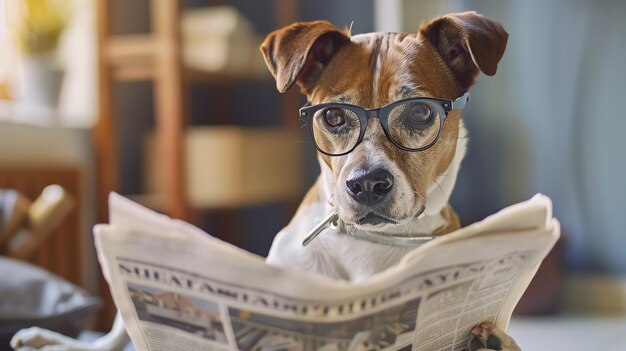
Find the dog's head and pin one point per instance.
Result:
(378, 184)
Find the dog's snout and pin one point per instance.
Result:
(369, 187)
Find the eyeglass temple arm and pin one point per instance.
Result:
(459, 103)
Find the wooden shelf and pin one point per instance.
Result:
(196, 75)
(230, 166)
(139, 72)
(157, 57)
(19, 112)
(131, 49)
(135, 56)
(157, 202)
(131, 73)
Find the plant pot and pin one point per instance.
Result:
(41, 81)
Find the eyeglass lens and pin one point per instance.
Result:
(411, 125)
(336, 130)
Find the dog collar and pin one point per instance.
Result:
(332, 221)
(389, 239)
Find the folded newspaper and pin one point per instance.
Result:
(179, 288)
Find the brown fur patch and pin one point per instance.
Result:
(375, 69)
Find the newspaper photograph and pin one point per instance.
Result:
(180, 289)
(378, 331)
(186, 313)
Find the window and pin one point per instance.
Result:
(7, 52)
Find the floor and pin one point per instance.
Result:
(552, 333)
(569, 333)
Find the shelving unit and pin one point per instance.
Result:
(156, 57)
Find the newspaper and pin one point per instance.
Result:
(178, 288)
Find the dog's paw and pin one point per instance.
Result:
(486, 337)
(39, 339)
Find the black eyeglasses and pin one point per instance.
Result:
(413, 124)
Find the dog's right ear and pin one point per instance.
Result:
(300, 52)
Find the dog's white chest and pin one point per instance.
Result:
(335, 255)
(332, 254)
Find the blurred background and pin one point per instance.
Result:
(169, 102)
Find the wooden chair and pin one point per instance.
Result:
(24, 225)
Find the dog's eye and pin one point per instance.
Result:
(420, 113)
(334, 117)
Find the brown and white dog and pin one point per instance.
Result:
(377, 187)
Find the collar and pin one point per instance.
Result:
(412, 240)
(335, 224)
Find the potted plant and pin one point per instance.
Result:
(38, 32)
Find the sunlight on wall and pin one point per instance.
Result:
(8, 60)
(78, 103)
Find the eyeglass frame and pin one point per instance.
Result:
(307, 112)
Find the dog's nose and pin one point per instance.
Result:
(369, 186)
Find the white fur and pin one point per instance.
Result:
(46, 340)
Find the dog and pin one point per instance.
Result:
(383, 112)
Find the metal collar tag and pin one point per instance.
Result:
(389, 239)
(329, 220)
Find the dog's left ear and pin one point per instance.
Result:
(467, 42)
(300, 52)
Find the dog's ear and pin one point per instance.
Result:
(300, 52)
(467, 42)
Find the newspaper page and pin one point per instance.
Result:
(178, 288)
